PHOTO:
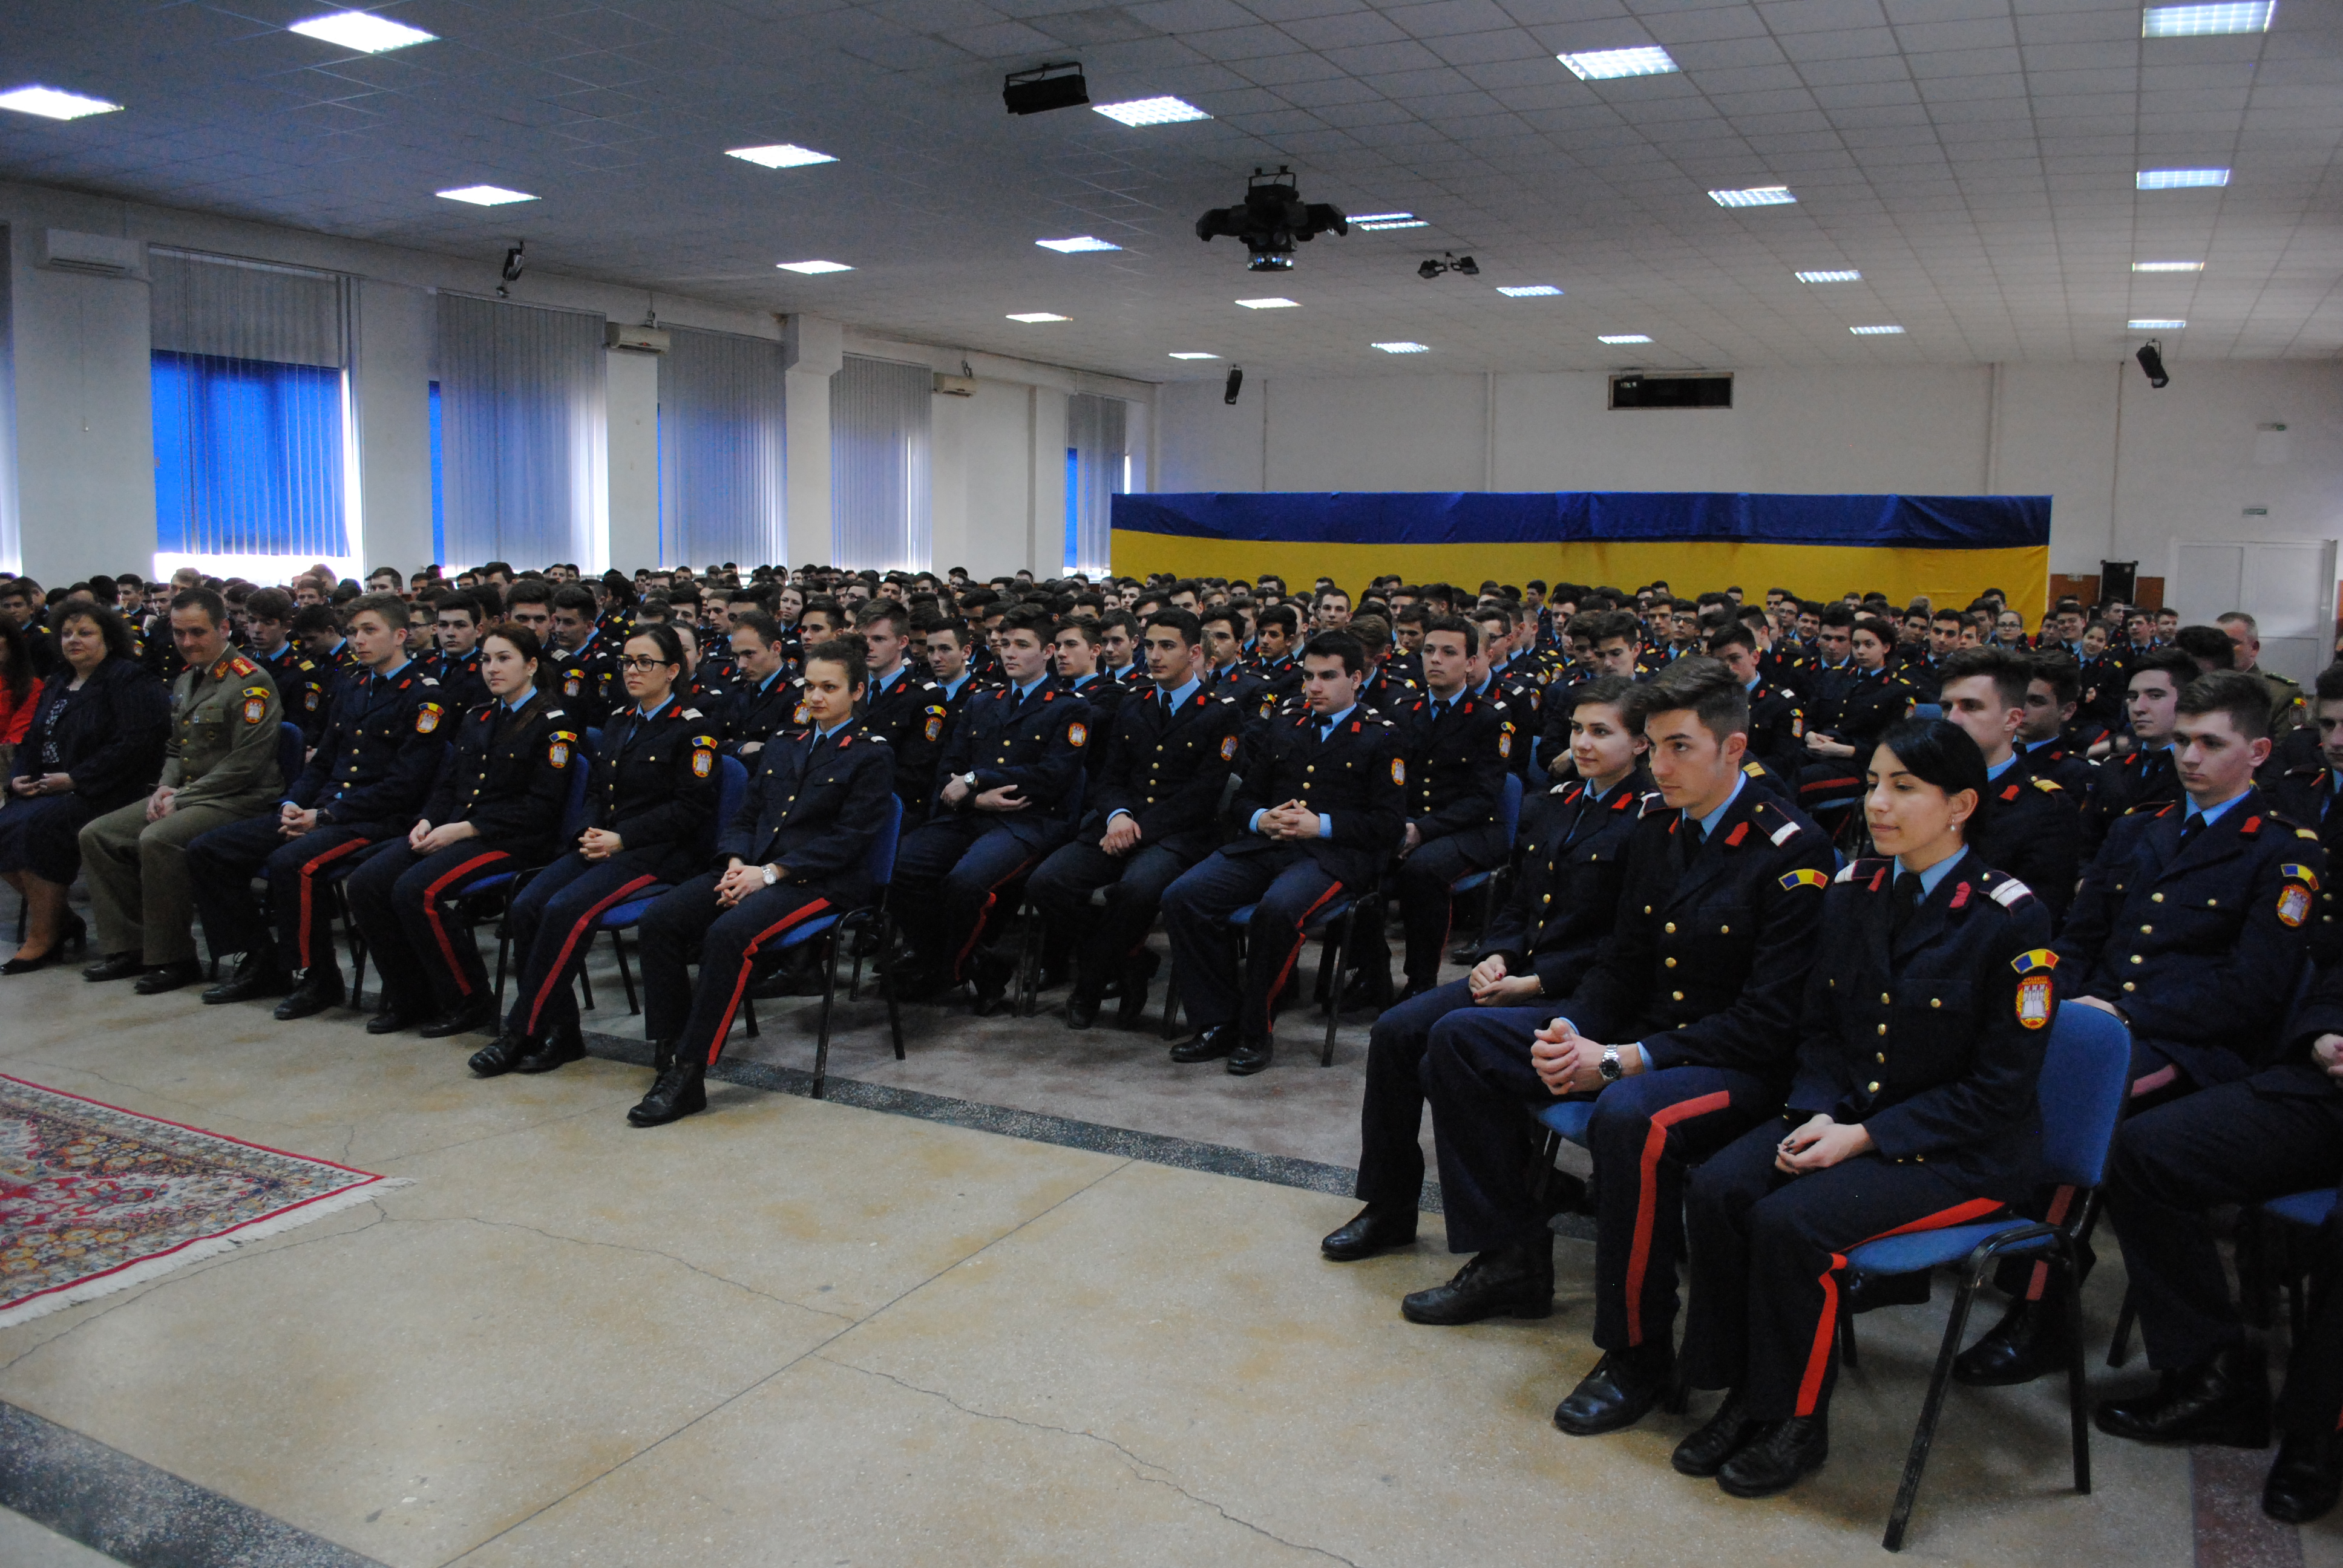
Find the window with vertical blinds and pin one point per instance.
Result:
(722, 443)
(251, 409)
(1098, 468)
(523, 434)
(881, 424)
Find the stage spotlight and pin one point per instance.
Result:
(1272, 218)
(1038, 91)
(1430, 270)
(1236, 385)
(1447, 261)
(1467, 266)
(2151, 360)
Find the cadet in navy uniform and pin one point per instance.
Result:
(904, 709)
(1155, 813)
(948, 643)
(1877, 698)
(498, 809)
(794, 850)
(2309, 795)
(2145, 776)
(2043, 747)
(1912, 1111)
(1225, 671)
(373, 766)
(1459, 746)
(651, 796)
(1008, 783)
(1777, 725)
(1564, 905)
(1686, 1026)
(457, 664)
(585, 673)
(2191, 926)
(1323, 805)
(2026, 828)
(305, 684)
(765, 695)
(1073, 651)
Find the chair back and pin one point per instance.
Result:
(1509, 809)
(2086, 1074)
(1927, 711)
(574, 809)
(290, 747)
(878, 861)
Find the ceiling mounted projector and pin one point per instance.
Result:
(1045, 87)
(1272, 218)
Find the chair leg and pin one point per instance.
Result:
(1332, 964)
(1850, 1354)
(1924, 1434)
(1172, 1002)
(828, 995)
(626, 975)
(887, 983)
(584, 984)
(504, 941)
(2078, 1418)
(1546, 1151)
(1028, 980)
(2119, 1348)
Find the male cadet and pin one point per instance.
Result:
(765, 699)
(1777, 726)
(904, 707)
(1277, 635)
(2146, 774)
(457, 668)
(2191, 926)
(219, 767)
(2287, 707)
(1226, 673)
(794, 850)
(1323, 804)
(1014, 769)
(1686, 1027)
(1503, 675)
(2026, 828)
(367, 780)
(1155, 813)
(948, 644)
(1459, 746)
(2053, 689)
(531, 604)
(1563, 907)
(1073, 659)
(2307, 793)
(305, 688)
(1119, 655)
(584, 672)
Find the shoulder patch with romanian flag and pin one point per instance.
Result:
(1398, 772)
(256, 703)
(1077, 735)
(2034, 967)
(703, 756)
(428, 716)
(2294, 898)
(1804, 877)
(557, 754)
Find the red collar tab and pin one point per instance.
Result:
(1620, 803)
(1960, 896)
(2010, 793)
(2253, 826)
(1740, 831)
(1354, 726)
(1877, 877)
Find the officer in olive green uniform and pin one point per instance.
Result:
(2287, 707)
(220, 767)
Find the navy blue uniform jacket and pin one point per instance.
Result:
(510, 776)
(813, 809)
(1168, 770)
(1572, 866)
(1037, 744)
(1357, 777)
(380, 751)
(654, 779)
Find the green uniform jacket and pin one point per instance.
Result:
(223, 749)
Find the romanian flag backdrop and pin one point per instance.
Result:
(1949, 548)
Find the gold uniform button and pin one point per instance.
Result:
(1672, 963)
(1647, 908)
(2155, 898)
(2212, 903)
(1880, 1056)
(1935, 1001)
(1675, 996)
(2146, 931)
(1883, 999)
(2128, 986)
(1883, 1029)
(2137, 958)
(1872, 1088)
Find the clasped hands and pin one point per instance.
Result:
(741, 879)
(1820, 1144)
(1568, 1063)
(598, 844)
(1293, 821)
(1003, 798)
(2327, 1050)
(292, 821)
(1493, 987)
(425, 839)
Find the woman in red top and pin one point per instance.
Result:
(18, 688)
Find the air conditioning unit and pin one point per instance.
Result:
(955, 386)
(641, 340)
(101, 256)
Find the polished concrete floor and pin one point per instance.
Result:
(790, 1331)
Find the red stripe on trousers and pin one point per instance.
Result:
(553, 976)
(748, 962)
(438, 929)
(306, 873)
(1647, 1197)
(1810, 1387)
(2154, 1081)
(2061, 1200)
(984, 913)
(1300, 937)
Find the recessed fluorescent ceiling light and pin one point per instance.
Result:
(1623, 337)
(2148, 325)
(2197, 21)
(362, 31)
(1756, 195)
(1031, 316)
(1380, 216)
(2178, 179)
(1081, 242)
(1403, 347)
(1151, 111)
(1195, 357)
(1845, 275)
(486, 195)
(1603, 64)
(1882, 331)
(1402, 221)
(2168, 267)
(51, 104)
(780, 155)
(812, 267)
(1269, 304)
(1528, 290)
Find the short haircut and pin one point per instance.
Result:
(397, 581)
(1839, 613)
(850, 653)
(662, 636)
(822, 604)
(1733, 636)
(2061, 671)
(204, 599)
(1493, 612)
(2170, 662)
(1469, 630)
(1609, 624)
(263, 603)
(531, 590)
(461, 601)
(767, 629)
(1229, 614)
(2328, 687)
(952, 627)
(2241, 695)
(1706, 689)
(576, 597)
(1339, 645)
(2253, 628)
(389, 606)
(2010, 673)
(1947, 613)
(891, 611)
(1372, 631)
(1030, 617)
(1937, 752)
(1088, 630)
(312, 617)
(1190, 626)
(2209, 643)
(1283, 617)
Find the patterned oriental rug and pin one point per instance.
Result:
(95, 1199)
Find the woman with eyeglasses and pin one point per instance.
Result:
(652, 798)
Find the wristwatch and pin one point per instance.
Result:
(771, 876)
(1610, 1068)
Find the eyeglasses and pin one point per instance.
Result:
(641, 662)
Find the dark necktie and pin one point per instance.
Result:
(1694, 836)
(1908, 898)
(2194, 825)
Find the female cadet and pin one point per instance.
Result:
(498, 807)
(652, 794)
(1913, 1108)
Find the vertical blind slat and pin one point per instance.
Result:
(723, 434)
(881, 424)
(1097, 434)
(523, 432)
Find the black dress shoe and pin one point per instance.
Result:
(2305, 1480)
(2029, 1341)
(464, 1018)
(390, 1019)
(1779, 1456)
(1370, 989)
(558, 1050)
(169, 977)
(1719, 1438)
(991, 974)
(1377, 1227)
(115, 966)
(1081, 1010)
(1131, 991)
(25, 965)
(1250, 1056)
(320, 989)
(256, 975)
(2225, 1401)
(1210, 1045)
(1508, 1283)
(1624, 1388)
(682, 1089)
(500, 1055)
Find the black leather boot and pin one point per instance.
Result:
(115, 966)
(320, 989)
(1777, 1457)
(2030, 1340)
(556, 1050)
(1377, 1227)
(256, 975)
(1624, 1388)
(2305, 1479)
(501, 1054)
(680, 1090)
(1719, 1438)
(2224, 1401)
(1507, 1281)
(464, 1018)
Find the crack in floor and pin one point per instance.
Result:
(1139, 1467)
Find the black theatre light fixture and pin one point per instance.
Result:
(1448, 261)
(1045, 87)
(2151, 360)
(1271, 217)
(1236, 385)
